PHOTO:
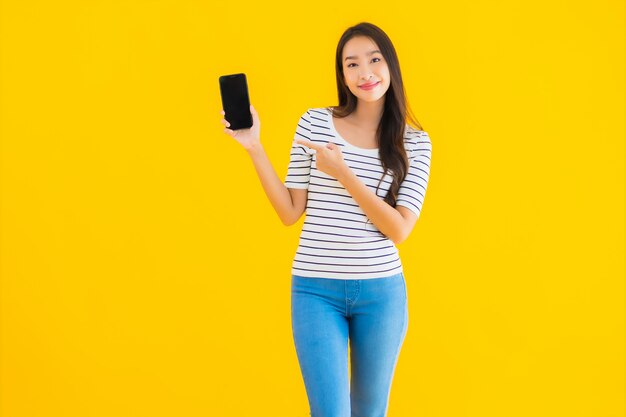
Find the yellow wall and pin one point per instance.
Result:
(144, 273)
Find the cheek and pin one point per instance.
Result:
(351, 81)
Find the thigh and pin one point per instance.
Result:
(320, 332)
(378, 326)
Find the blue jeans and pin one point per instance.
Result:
(373, 314)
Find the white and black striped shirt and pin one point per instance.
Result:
(337, 239)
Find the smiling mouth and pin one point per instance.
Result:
(369, 86)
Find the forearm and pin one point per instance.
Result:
(276, 191)
(386, 218)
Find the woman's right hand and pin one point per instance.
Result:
(248, 138)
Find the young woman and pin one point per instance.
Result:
(347, 281)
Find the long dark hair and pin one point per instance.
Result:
(396, 113)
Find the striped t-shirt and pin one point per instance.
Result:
(337, 239)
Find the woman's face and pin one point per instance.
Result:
(364, 64)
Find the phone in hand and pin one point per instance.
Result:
(236, 101)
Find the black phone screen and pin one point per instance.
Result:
(236, 101)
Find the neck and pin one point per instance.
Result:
(368, 114)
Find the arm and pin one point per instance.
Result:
(395, 223)
(289, 203)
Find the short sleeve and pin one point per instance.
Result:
(413, 189)
(299, 170)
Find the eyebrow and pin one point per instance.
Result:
(369, 53)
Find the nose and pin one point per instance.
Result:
(365, 73)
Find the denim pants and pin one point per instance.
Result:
(372, 314)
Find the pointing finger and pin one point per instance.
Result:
(309, 144)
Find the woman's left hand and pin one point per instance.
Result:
(329, 158)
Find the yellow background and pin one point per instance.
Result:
(144, 272)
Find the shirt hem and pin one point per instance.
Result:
(345, 276)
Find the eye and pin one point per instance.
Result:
(355, 64)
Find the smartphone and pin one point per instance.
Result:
(236, 101)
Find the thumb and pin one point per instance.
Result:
(255, 116)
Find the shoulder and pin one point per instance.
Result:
(416, 140)
(319, 121)
(316, 121)
(319, 112)
(316, 113)
(412, 133)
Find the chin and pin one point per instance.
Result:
(370, 98)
